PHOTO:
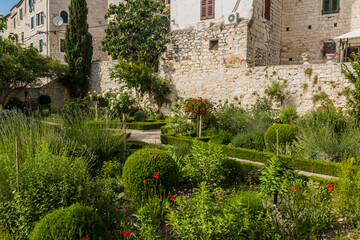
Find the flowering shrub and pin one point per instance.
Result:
(207, 213)
(95, 96)
(198, 106)
(120, 100)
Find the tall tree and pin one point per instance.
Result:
(78, 49)
(137, 28)
(20, 67)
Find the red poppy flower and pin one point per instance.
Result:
(172, 198)
(329, 186)
(226, 239)
(185, 110)
(170, 220)
(156, 175)
(293, 188)
(202, 109)
(144, 182)
(125, 210)
(84, 238)
(126, 233)
(324, 109)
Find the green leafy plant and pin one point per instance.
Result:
(253, 139)
(276, 91)
(204, 163)
(288, 115)
(74, 222)
(140, 116)
(149, 170)
(286, 135)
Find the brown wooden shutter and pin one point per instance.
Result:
(267, 9)
(210, 8)
(207, 9)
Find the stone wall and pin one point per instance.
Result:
(230, 78)
(305, 28)
(264, 38)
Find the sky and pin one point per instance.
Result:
(6, 5)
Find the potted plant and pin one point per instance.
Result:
(306, 57)
(331, 55)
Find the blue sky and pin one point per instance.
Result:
(6, 5)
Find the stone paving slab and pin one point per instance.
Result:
(148, 136)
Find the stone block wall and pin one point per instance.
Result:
(305, 28)
(264, 38)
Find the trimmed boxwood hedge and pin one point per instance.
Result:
(304, 164)
(149, 125)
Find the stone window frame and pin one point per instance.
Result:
(330, 10)
(205, 5)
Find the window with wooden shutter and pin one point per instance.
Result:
(207, 9)
(267, 9)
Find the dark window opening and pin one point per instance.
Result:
(267, 9)
(309, 27)
(290, 59)
(335, 24)
(214, 45)
(287, 29)
(64, 15)
(328, 47)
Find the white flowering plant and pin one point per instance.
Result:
(120, 100)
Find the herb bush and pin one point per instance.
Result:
(208, 213)
(140, 116)
(74, 222)
(286, 135)
(288, 115)
(327, 134)
(147, 170)
(205, 163)
(232, 118)
(253, 139)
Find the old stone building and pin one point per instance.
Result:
(33, 22)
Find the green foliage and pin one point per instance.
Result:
(76, 105)
(120, 100)
(20, 66)
(178, 152)
(74, 222)
(231, 118)
(15, 103)
(288, 115)
(308, 72)
(159, 90)
(159, 116)
(204, 163)
(276, 91)
(220, 136)
(353, 75)
(348, 190)
(207, 213)
(142, 166)
(140, 116)
(137, 27)
(78, 49)
(303, 213)
(324, 99)
(112, 169)
(286, 135)
(326, 134)
(253, 139)
(44, 99)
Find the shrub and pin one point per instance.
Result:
(207, 213)
(15, 103)
(142, 167)
(222, 137)
(288, 115)
(140, 116)
(74, 222)
(44, 99)
(232, 118)
(205, 163)
(76, 104)
(286, 134)
(252, 140)
(159, 116)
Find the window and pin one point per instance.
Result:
(64, 15)
(31, 44)
(62, 45)
(14, 23)
(39, 19)
(214, 44)
(267, 9)
(207, 9)
(32, 23)
(22, 37)
(328, 47)
(330, 6)
(21, 14)
(41, 45)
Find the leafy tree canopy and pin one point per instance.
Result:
(137, 27)
(20, 67)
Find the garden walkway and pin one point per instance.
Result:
(153, 137)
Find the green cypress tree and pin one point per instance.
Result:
(78, 48)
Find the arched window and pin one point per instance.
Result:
(64, 15)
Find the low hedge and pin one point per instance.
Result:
(304, 164)
(148, 125)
